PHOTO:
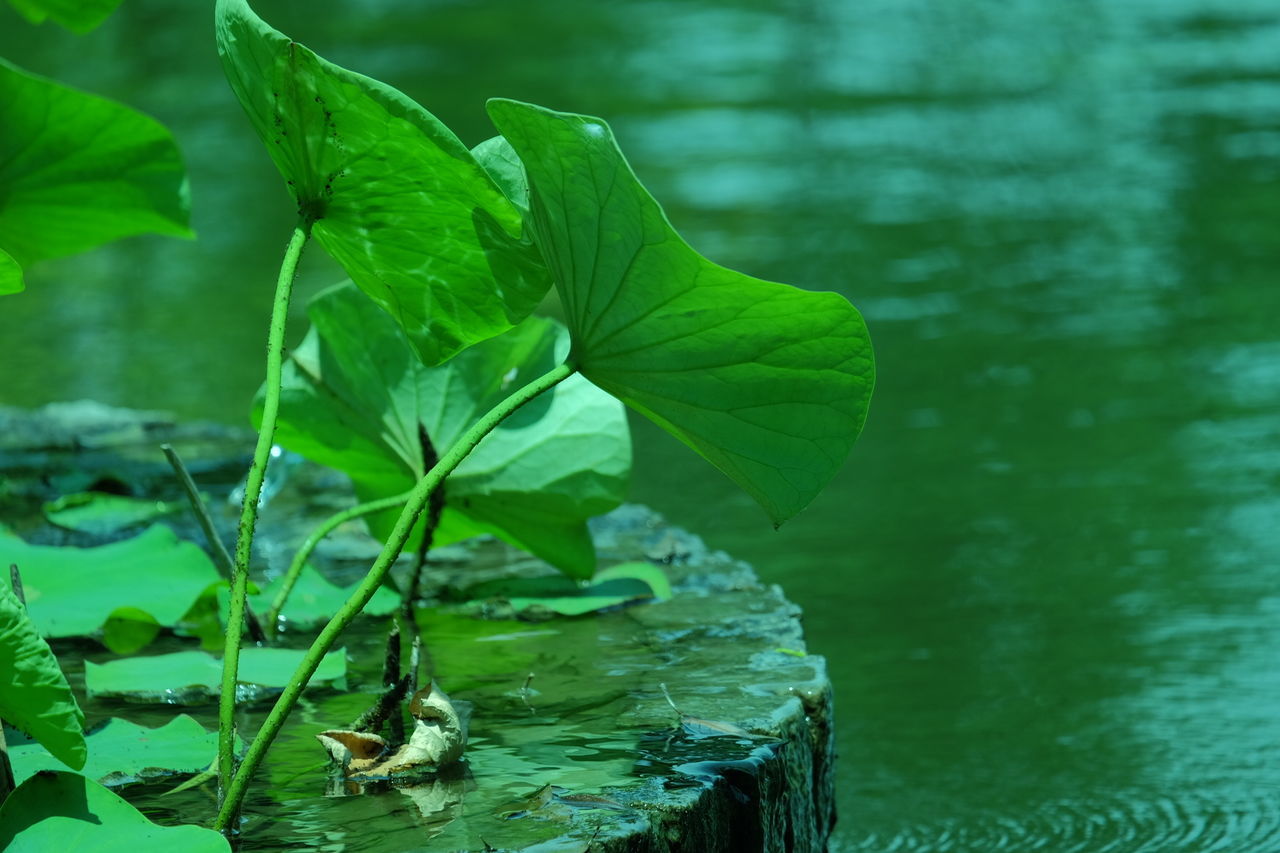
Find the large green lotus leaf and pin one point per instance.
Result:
(72, 592)
(66, 811)
(77, 171)
(196, 677)
(34, 694)
(79, 16)
(122, 752)
(400, 202)
(768, 382)
(357, 398)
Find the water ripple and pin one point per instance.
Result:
(1123, 824)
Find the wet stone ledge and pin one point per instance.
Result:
(587, 755)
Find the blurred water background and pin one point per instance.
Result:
(1048, 582)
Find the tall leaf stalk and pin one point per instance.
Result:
(249, 512)
(234, 792)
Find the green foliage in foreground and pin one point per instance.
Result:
(60, 194)
(34, 694)
(66, 811)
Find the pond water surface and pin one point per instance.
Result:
(1048, 582)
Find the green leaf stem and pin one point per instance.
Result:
(768, 382)
(397, 199)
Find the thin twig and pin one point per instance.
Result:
(220, 554)
(15, 580)
(415, 662)
(430, 521)
(391, 676)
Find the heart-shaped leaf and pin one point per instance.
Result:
(77, 171)
(398, 200)
(79, 16)
(73, 591)
(65, 811)
(768, 382)
(122, 752)
(357, 398)
(36, 697)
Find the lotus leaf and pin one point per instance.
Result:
(65, 811)
(538, 597)
(357, 398)
(768, 382)
(77, 171)
(73, 591)
(79, 16)
(35, 696)
(397, 199)
(195, 677)
(102, 514)
(121, 752)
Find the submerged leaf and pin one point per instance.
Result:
(768, 382)
(189, 678)
(398, 200)
(102, 514)
(533, 598)
(79, 16)
(34, 694)
(356, 398)
(77, 171)
(121, 752)
(73, 591)
(66, 811)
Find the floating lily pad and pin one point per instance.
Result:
(101, 514)
(72, 592)
(314, 600)
(66, 811)
(191, 678)
(122, 752)
(555, 594)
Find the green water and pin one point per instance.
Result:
(1047, 581)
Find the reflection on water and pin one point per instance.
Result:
(1045, 583)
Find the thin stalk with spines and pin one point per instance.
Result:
(322, 530)
(418, 498)
(249, 511)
